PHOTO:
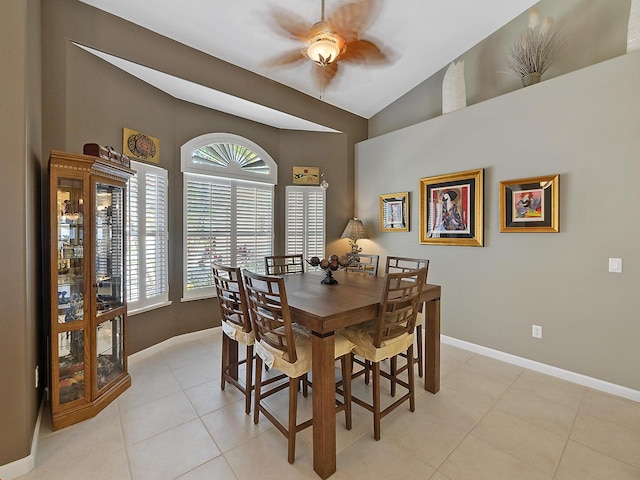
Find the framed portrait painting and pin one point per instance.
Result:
(529, 204)
(394, 212)
(451, 209)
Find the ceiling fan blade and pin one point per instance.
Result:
(287, 58)
(364, 51)
(352, 19)
(323, 76)
(290, 25)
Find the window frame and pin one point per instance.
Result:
(231, 174)
(144, 302)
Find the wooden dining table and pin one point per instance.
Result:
(325, 309)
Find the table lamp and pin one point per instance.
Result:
(354, 231)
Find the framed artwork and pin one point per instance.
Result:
(529, 204)
(451, 209)
(394, 212)
(306, 175)
(140, 146)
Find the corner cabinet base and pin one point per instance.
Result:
(90, 410)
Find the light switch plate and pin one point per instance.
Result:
(615, 265)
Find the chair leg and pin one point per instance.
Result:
(394, 372)
(419, 348)
(367, 369)
(225, 360)
(411, 380)
(305, 385)
(258, 390)
(376, 400)
(346, 389)
(293, 411)
(248, 382)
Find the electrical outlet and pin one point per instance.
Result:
(37, 375)
(536, 331)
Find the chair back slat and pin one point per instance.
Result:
(365, 263)
(399, 305)
(231, 296)
(283, 264)
(269, 312)
(403, 264)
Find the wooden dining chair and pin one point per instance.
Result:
(403, 264)
(286, 347)
(283, 264)
(236, 327)
(388, 335)
(364, 264)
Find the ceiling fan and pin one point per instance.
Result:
(332, 40)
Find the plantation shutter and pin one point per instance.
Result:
(229, 222)
(147, 237)
(305, 221)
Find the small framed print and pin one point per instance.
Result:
(530, 204)
(451, 209)
(306, 175)
(394, 212)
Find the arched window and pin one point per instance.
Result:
(228, 207)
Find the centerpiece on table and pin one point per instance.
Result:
(329, 265)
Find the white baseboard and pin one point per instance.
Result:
(25, 465)
(578, 378)
(158, 347)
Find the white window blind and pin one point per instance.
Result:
(227, 221)
(305, 221)
(147, 237)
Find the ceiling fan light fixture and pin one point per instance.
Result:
(324, 48)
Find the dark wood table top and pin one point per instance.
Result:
(326, 308)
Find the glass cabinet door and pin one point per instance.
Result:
(109, 247)
(71, 369)
(70, 235)
(110, 350)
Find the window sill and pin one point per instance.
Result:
(201, 297)
(148, 308)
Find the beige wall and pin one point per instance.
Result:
(88, 100)
(20, 299)
(583, 126)
(595, 30)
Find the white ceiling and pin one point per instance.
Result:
(422, 36)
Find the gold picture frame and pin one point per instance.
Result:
(394, 212)
(140, 146)
(451, 209)
(306, 175)
(530, 205)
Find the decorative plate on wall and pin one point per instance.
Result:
(140, 146)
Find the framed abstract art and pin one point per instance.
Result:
(530, 204)
(451, 209)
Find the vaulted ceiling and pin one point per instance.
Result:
(420, 37)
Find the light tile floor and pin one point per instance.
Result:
(490, 421)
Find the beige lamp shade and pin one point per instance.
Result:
(354, 231)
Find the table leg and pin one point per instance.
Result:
(432, 346)
(324, 407)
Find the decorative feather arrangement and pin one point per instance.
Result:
(534, 52)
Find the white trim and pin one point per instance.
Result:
(231, 171)
(578, 378)
(25, 465)
(131, 313)
(158, 347)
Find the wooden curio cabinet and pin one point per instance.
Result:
(88, 311)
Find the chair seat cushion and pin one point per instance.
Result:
(279, 360)
(361, 335)
(235, 332)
